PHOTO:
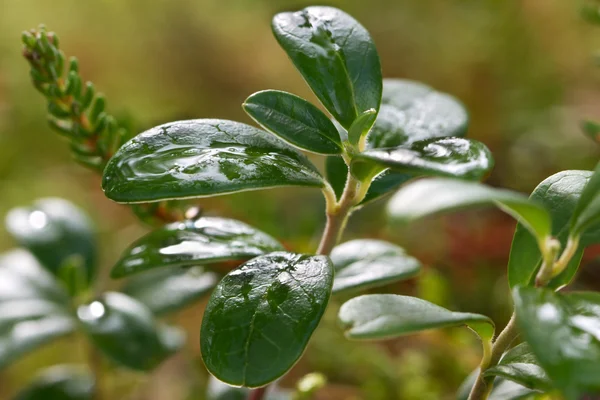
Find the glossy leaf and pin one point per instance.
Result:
(383, 316)
(361, 126)
(336, 57)
(366, 263)
(563, 333)
(559, 194)
(453, 157)
(194, 242)
(520, 365)
(57, 233)
(336, 172)
(165, 291)
(62, 382)
(587, 211)
(126, 332)
(433, 196)
(411, 111)
(203, 157)
(34, 310)
(260, 317)
(295, 120)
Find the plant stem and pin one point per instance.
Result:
(258, 394)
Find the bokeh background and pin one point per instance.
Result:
(526, 70)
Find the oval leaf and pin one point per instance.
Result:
(563, 333)
(203, 157)
(336, 57)
(587, 211)
(260, 317)
(57, 233)
(383, 316)
(167, 291)
(34, 310)
(294, 120)
(194, 242)
(433, 196)
(126, 332)
(559, 194)
(366, 263)
(360, 127)
(62, 382)
(453, 157)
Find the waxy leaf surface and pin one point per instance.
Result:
(203, 157)
(336, 57)
(563, 332)
(126, 332)
(587, 211)
(433, 196)
(260, 317)
(366, 263)
(383, 316)
(61, 382)
(194, 242)
(295, 120)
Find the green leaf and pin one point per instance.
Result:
(592, 130)
(217, 390)
(203, 157)
(366, 263)
(260, 317)
(165, 291)
(563, 333)
(520, 365)
(559, 194)
(58, 233)
(194, 242)
(587, 211)
(336, 57)
(34, 309)
(433, 196)
(61, 382)
(360, 127)
(126, 332)
(503, 390)
(295, 120)
(411, 111)
(453, 157)
(336, 172)
(383, 316)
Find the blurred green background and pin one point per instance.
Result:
(524, 68)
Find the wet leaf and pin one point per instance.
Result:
(61, 382)
(559, 194)
(58, 233)
(260, 317)
(295, 120)
(587, 211)
(384, 316)
(34, 310)
(194, 242)
(170, 290)
(203, 157)
(336, 57)
(563, 331)
(366, 263)
(433, 196)
(127, 333)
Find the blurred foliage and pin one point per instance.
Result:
(524, 68)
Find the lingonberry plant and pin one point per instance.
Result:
(381, 133)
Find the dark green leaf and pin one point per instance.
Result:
(203, 157)
(385, 183)
(336, 56)
(433, 196)
(260, 317)
(383, 316)
(167, 290)
(217, 390)
(360, 127)
(57, 233)
(126, 332)
(559, 194)
(587, 211)
(453, 157)
(294, 120)
(34, 309)
(411, 111)
(194, 242)
(336, 171)
(62, 382)
(520, 365)
(365, 263)
(563, 331)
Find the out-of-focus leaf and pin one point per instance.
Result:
(61, 382)
(587, 212)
